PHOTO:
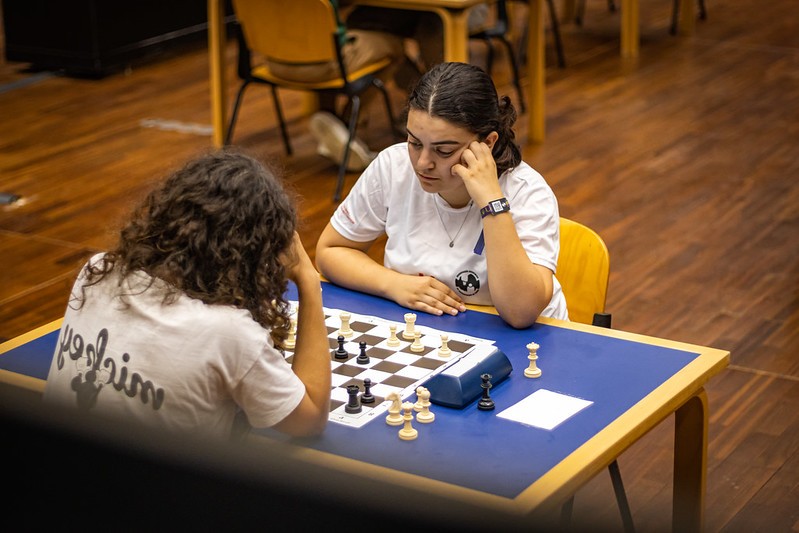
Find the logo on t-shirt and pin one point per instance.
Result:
(467, 283)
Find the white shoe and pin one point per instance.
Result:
(331, 135)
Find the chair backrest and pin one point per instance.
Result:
(299, 31)
(583, 270)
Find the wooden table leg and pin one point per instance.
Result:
(536, 71)
(456, 34)
(629, 28)
(216, 58)
(690, 464)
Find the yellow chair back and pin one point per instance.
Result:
(583, 270)
(299, 31)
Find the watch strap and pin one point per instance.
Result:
(500, 205)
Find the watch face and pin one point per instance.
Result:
(496, 205)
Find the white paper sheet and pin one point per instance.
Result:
(544, 409)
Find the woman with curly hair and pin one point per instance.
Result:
(466, 220)
(181, 324)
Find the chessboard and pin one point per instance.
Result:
(390, 368)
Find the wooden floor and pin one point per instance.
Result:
(686, 161)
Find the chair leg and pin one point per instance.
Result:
(355, 102)
(235, 113)
(489, 56)
(579, 12)
(621, 497)
(515, 69)
(675, 14)
(387, 99)
(281, 120)
(566, 514)
(556, 33)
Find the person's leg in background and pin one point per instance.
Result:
(327, 125)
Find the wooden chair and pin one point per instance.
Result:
(300, 32)
(500, 30)
(583, 272)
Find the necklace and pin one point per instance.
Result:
(451, 238)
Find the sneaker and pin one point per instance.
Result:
(331, 135)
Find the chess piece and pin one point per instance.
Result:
(485, 403)
(393, 340)
(341, 352)
(417, 345)
(444, 350)
(410, 321)
(532, 371)
(363, 358)
(394, 417)
(407, 432)
(367, 396)
(418, 405)
(345, 330)
(291, 340)
(353, 404)
(425, 417)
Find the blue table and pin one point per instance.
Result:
(633, 381)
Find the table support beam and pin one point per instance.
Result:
(536, 73)
(216, 60)
(690, 464)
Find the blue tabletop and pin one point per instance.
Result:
(481, 451)
(468, 447)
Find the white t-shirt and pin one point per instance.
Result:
(184, 365)
(388, 199)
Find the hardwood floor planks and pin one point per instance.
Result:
(684, 160)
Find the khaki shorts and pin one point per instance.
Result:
(364, 48)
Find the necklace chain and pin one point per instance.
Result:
(451, 238)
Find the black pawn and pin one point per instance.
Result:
(485, 403)
(362, 357)
(340, 352)
(353, 405)
(367, 396)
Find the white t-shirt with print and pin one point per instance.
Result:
(184, 365)
(388, 199)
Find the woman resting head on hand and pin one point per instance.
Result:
(466, 220)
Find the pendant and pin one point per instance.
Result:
(451, 244)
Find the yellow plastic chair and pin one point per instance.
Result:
(300, 32)
(583, 272)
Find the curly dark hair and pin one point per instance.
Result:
(217, 230)
(465, 95)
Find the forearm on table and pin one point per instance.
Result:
(311, 360)
(355, 270)
(519, 292)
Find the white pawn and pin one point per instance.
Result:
(407, 432)
(417, 345)
(444, 351)
(291, 340)
(532, 371)
(410, 321)
(393, 340)
(345, 330)
(425, 417)
(394, 417)
(418, 405)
